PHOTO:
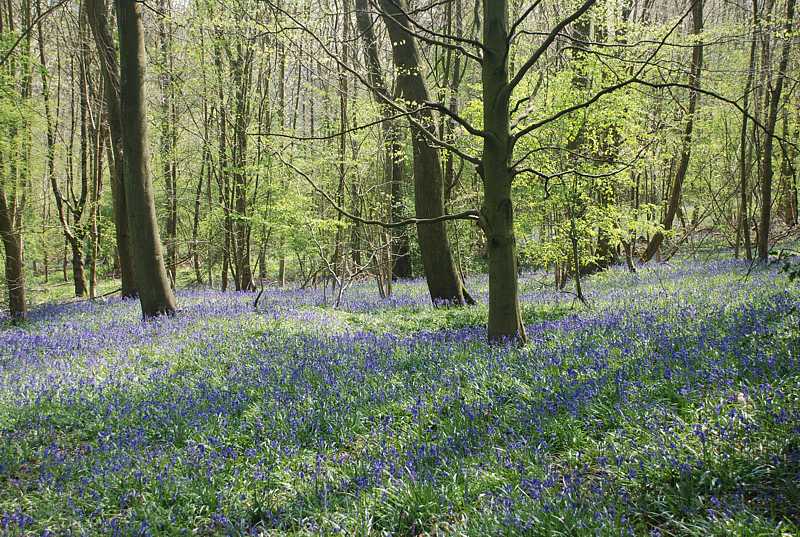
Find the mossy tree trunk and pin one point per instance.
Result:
(14, 268)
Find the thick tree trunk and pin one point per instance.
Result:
(78, 273)
(98, 22)
(767, 171)
(14, 268)
(686, 146)
(497, 213)
(444, 281)
(155, 294)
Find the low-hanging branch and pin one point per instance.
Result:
(470, 214)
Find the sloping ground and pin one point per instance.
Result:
(672, 407)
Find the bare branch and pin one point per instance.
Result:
(378, 91)
(470, 214)
(458, 119)
(444, 44)
(339, 133)
(547, 42)
(521, 19)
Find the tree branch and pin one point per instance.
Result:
(470, 214)
(547, 42)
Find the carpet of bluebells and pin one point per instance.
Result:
(671, 406)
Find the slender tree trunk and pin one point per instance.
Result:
(787, 195)
(744, 146)
(77, 242)
(497, 213)
(686, 146)
(444, 281)
(13, 204)
(767, 171)
(97, 15)
(198, 198)
(393, 170)
(222, 170)
(789, 172)
(155, 294)
(97, 191)
(168, 166)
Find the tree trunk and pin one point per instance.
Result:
(14, 268)
(77, 240)
(198, 197)
(241, 68)
(444, 281)
(98, 22)
(222, 169)
(767, 171)
(393, 160)
(744, 147)
(497, 213)
(155, 294)
(686, 146)
(789, 172)
(168, 166)
(78, 274)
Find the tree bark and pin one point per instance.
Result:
(686, 146)
(198, 197)
(444, 281)
(155, 294)
(168, 165)
(497, 213)
(767, 170)
(241, 69)
(97, 15)
(14, 268)
(393, 161)
(223, 180)
(744, 147)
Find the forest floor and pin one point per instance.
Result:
(670, 407)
